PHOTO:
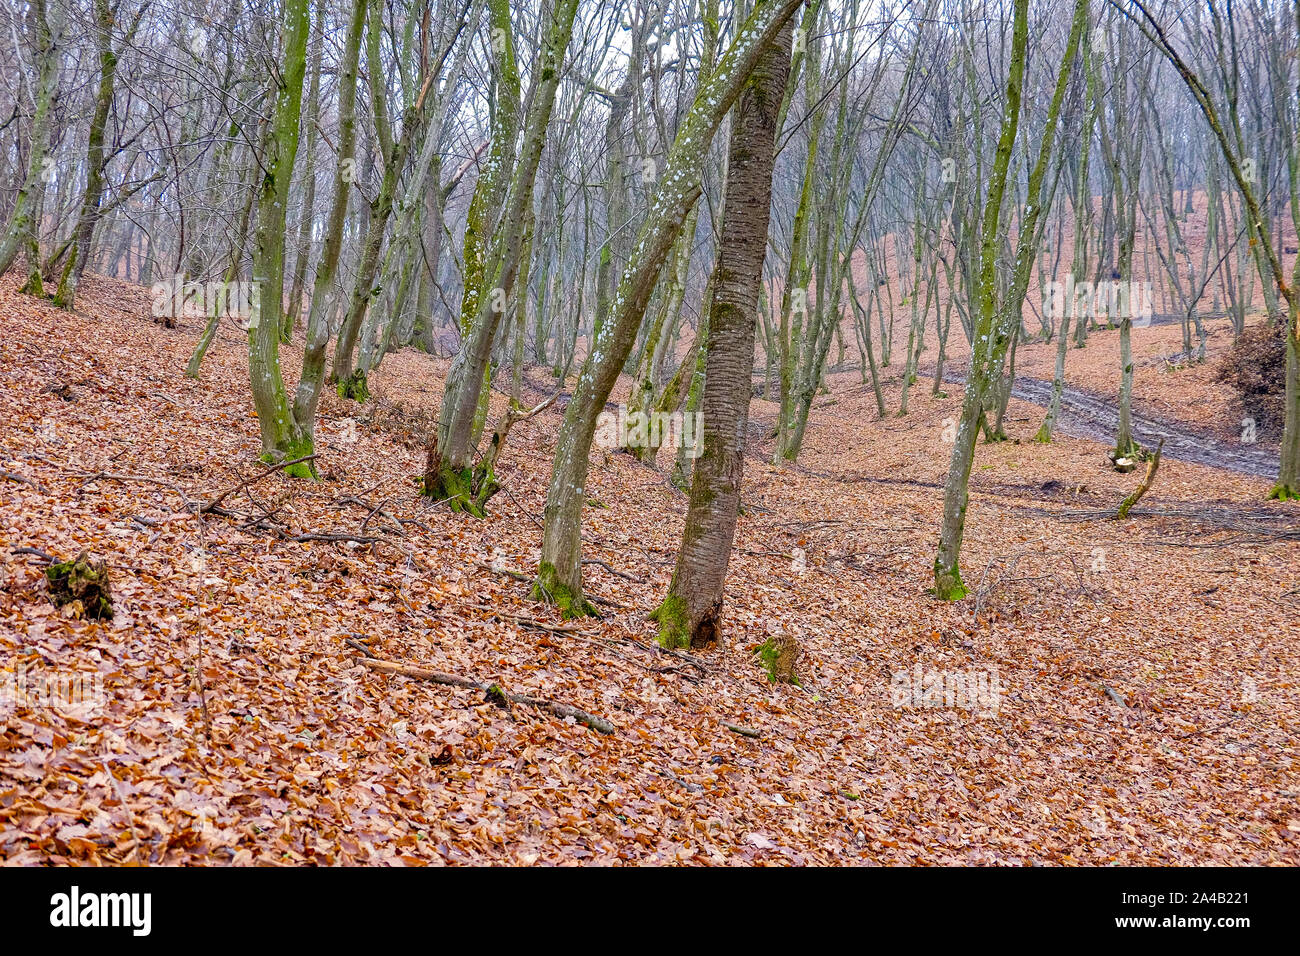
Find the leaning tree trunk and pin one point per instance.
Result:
(989, 345)
(691, 613)
(448, 471)
(560, 573)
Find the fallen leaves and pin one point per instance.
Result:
(241, 723)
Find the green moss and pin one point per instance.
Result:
(355, 387)
(288, 451)
(300, 448)
(454, 487)
(549, 589)
(674, 622)
(769, 655)
(948, 585)
(33, 285)
(63, 295)
(84, 582)
(1283, 492)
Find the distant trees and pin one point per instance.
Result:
(1221, 111)
(543, 184)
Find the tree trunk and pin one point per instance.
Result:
(307, 395)
(25, 218)
(691, 613)
(447, 469)
(988, 345)
(309, 188)
(560, 573)
(281, 437)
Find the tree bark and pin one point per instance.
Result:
(281, 437)
(560, 574)
(25, 218)
(988, 342)
(691, 613)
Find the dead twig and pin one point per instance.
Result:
(614, 571)
(215, 502)
(47, 558)
(598, 724)
(22, 480)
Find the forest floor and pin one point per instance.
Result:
(1147, 668)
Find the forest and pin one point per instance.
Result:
(669, 432)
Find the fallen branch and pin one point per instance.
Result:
(1142, 488)
(614, 571)
(743, 731)
(22, 480)
(212, 505)
(598, 724)
(47, 558)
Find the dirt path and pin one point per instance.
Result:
(1085, 414)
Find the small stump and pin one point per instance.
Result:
(83, 585)
(780, 657)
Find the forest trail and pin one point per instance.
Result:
(1086, 414)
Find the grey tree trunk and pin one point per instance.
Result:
(307, 394)
(89, 215)
(25, 218)
(989, 343)
(448, 472)
(281, 437)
